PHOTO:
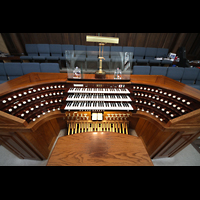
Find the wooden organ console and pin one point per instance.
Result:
(97, 107)
(33, 108)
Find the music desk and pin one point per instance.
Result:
(99, 149)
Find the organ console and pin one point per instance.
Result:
(33, 108)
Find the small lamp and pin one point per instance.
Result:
(102, 41)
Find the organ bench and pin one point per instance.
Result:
(33, 108)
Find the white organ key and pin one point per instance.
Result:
(98, 106)
(96, 97)
(99, 90)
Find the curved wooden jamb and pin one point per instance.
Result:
(30, 80)
(166, 83)
(43, 119)
(150, 118)
(9, 121)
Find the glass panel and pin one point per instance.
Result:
(88, 63)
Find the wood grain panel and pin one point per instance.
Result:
(179, 41)
(44, 137)
(161, 40)
(65, 38)
(123, 41)
(7, 120)
(14, 143)
(140, 39)
(151, 135)
(131, 39)
(55, 38)
(9, 43)
(62, 123)
(99, 149)
(190, 42)
(178, 142)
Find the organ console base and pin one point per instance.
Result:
(33, 108)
